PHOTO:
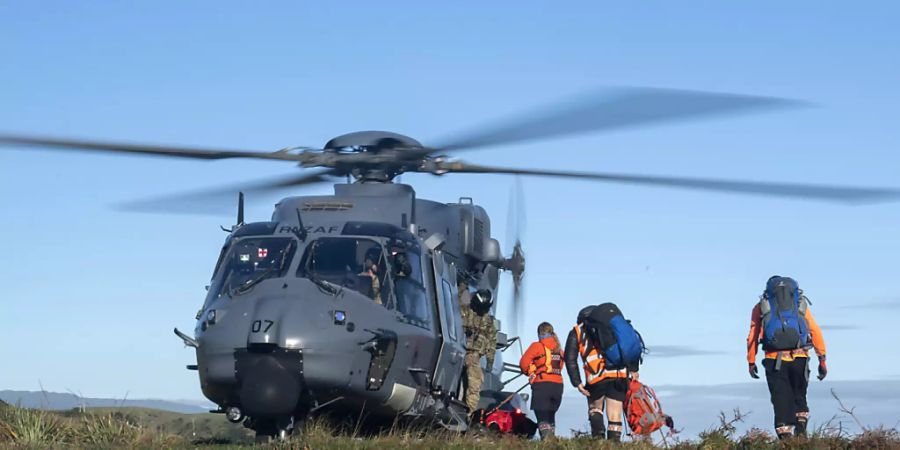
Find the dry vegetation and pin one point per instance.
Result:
(135, 428)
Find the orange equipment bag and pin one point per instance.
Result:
(642, 409)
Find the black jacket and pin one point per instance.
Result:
(571, 353)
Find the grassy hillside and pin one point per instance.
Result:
(115, 427)
(147, 428)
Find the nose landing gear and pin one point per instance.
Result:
(274, 429)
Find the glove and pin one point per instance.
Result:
(823, 369)
(754, 371)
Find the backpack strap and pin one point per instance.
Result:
(548, 361)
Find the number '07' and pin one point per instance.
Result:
(261, 325)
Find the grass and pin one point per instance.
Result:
(146, 428)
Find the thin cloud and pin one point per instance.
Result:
(673, 351)
(840, 327)
(885, 305)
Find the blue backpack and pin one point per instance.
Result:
(783, 307)
(617, 341)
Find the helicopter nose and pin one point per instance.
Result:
(270, 383)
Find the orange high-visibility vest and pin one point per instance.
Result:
(552, 364)
(594, 364)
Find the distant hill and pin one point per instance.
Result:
(64, 401)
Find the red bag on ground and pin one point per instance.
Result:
(509, 421)
(642, 409)
(499, 421)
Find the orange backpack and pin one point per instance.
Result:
(642, 409)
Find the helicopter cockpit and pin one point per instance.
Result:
(353, 263)
(388, 271)
(252, 260)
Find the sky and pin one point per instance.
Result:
(91, 294)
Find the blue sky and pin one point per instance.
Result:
(90, 294)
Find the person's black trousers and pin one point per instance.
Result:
(545, 400)
(787, 387)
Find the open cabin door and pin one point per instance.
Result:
(449, 366)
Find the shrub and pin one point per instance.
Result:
(32, 427)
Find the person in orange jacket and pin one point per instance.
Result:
(542, 362)
(787, 371)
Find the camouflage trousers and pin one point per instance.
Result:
(475, 378)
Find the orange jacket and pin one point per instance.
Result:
(536, 356)
(756, 333)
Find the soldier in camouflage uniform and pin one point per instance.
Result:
(481, 340)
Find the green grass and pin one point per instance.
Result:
(146, 428)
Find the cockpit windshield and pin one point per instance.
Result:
(353, 263)
(252, 260)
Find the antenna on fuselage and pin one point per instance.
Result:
(240, 211)
(413, 228)
(240, 215)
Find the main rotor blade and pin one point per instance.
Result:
(841, 194)
(119, 147)
(614, 109)
(220, 200)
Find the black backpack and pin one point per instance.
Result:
(617, 341)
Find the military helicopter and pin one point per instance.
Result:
(349, 303)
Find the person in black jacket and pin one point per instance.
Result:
(603, 389)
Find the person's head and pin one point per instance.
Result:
(402, 267)
(584, 314)
(373, 254)
(545, 330)
(481, 301)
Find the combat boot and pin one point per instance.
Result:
(598, 425)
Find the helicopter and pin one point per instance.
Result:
(349, 304)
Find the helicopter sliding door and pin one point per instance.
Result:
(449, 366)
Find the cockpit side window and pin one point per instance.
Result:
(412, 299)
(353, 263)
(451, 306)
(221, 259)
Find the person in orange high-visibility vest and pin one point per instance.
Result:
(605, 389)
(542, 362)
(787, 371)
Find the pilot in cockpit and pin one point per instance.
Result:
(370, 270)
(401, 265)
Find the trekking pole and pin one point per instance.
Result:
(507, 399)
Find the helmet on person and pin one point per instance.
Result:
(584, 313)
(482, 298)
(402, 267)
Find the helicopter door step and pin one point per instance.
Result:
(421, 376)
(457, 420)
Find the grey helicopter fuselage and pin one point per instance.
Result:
(290, 324)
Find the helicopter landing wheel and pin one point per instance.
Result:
(268, 430)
